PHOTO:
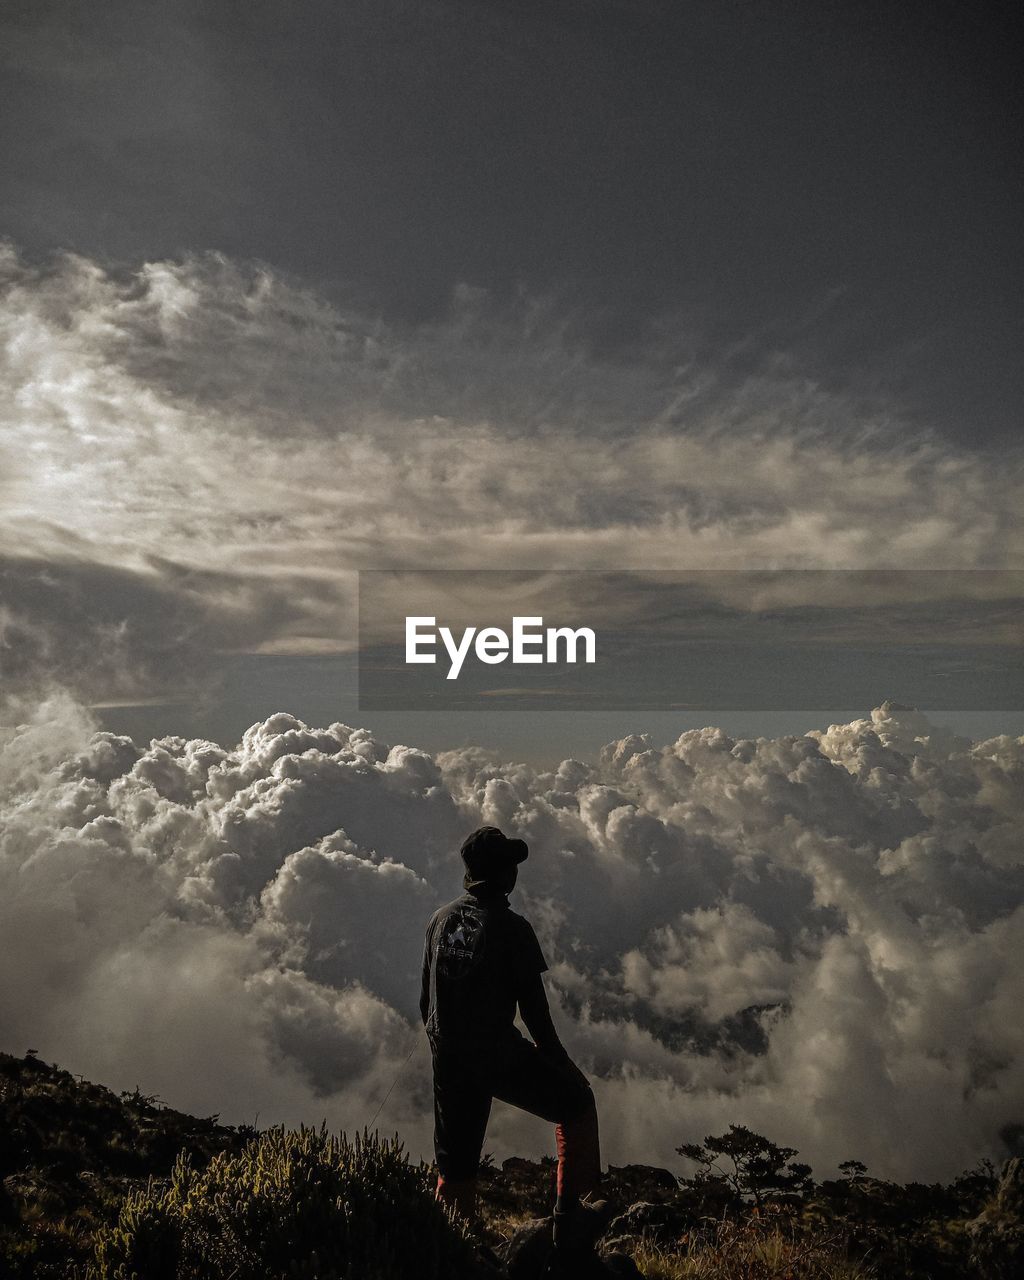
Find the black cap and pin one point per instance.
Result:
(487, 848)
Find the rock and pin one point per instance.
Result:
(520, 1186)
(488, 1266)
(659, 1222)
(622, 1266)
(997, 1233)
(643, 1181)
(529, 1255)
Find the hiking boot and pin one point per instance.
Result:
(578, 1229)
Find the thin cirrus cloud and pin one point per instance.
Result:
(821, 941)
(220, 438)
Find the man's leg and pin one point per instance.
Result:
(558, 1093)
(461, 1109)
(458, 1194)
(579, 1158)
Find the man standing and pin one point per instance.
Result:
(481, 962)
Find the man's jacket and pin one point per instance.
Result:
(479, 957)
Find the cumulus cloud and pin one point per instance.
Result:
(817, 936)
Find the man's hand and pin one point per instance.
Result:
(573, 1071)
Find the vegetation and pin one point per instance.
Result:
(752, 1166)
(69, 1153)
(100, 1186)
(752, 1250)
(303, 1204)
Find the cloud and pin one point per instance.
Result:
(722, 960)
(211, 444)
(112, 632)
(818, 936)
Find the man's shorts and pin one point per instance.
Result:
(467, 1078)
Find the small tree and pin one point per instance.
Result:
(747, 1164)
(853, 1170)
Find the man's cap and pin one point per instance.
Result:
(488, 848)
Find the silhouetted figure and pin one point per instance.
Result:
(480, 962)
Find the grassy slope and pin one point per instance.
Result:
(69, 1151)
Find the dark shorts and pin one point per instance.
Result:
(467, 1078)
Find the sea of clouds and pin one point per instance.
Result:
(817, 936)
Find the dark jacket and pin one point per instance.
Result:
(482, 961)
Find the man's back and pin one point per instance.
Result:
(477, 957)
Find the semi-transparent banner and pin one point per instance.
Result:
(791, 639)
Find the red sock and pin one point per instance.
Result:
(579, 1157)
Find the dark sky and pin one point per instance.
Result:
(836, 184)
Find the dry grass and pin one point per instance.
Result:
(749, 1251)
(499, 1227)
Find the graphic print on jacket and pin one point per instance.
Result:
(461, 944)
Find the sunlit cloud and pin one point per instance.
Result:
(816, 936)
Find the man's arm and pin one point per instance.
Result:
(533, 1006)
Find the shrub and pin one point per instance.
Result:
(290, 1204)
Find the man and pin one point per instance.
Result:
(481, 962)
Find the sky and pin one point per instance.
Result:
(287, 292)
(828, 183)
